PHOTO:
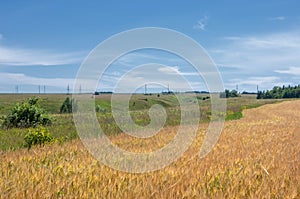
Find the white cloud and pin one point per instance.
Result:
(255, 80)
(174, 70)
(23, 56)
(250, 83)
(171, 70)
(259, 53)
(152, 75)
(201, 24)
(291, 71)
(263, 60)
(131, 59)
(279, 18)
(22, 79)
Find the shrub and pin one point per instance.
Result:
(68, 106)
(38, 136)
(100, 109)
(26, 114)
(230, 115)
(203, 98)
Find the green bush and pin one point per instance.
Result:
(27, 114)
(100, 109)
(230, 115)
(68, 106)
(38, 136)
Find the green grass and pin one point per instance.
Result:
(64, 128)
(50, 102)
(233, 115)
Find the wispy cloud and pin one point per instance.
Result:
(291, 71)
(201, 24)
(22, 79)
(264, 82)
(174, 70)
(133, 58)
(148, 56)
(259, 52)
(23, 56)
(254, 80)
(278, 18)
(154, 75)
(263, 60)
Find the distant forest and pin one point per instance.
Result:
(280, 92)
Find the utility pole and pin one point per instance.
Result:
(237, 88)
(80, 89)
(257, 88)
(44, 89)
(39, 89)
(168, 88)
(17, 89)
(145, 89)
(68, 90)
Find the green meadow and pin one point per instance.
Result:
(63, 128)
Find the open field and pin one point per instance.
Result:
(63, 127)
(257, 156)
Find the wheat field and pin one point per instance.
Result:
(257, 156)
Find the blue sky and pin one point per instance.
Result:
(251, 42)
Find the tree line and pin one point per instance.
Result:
(280, 92)
(228, 94)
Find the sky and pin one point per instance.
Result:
(253, 43)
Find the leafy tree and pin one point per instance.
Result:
(229, 93)
(68, 106)
(233, 93)
(26, 114)
(259, 95)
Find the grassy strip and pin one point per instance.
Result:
(235, 115)
(63, 127)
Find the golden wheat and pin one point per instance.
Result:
(257, 156)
